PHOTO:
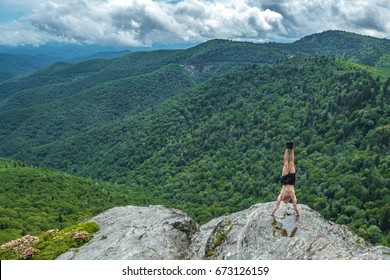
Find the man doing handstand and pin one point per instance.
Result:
(288, 181)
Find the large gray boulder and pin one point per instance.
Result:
(133, 233)
(156, 232)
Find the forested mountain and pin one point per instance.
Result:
(13, 66)
(99, 55)
(66, 99)
(218, 147)
(44, 123)
(33, 200)
(204, 129)
(350, 46)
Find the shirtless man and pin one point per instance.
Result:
(288, 181)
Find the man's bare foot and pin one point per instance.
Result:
(297, 214)
(271, 214)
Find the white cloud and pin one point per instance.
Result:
(369, 17)
(16, 33)
(148, 22)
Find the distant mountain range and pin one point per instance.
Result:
(21, 61)
(203, 129)
(24, 60)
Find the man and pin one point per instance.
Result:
(288, 181)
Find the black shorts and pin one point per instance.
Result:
(288, 179)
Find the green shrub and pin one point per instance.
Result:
(49, 245)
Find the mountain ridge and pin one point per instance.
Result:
(363, 49)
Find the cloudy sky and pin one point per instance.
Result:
(140, 23)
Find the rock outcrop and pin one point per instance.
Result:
(136, 233)
(156, 232)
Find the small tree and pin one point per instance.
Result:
(374, 234)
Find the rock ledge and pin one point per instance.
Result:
(156, 232)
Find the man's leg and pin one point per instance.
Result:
(292, 164)
(285, 165)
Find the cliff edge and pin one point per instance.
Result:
(156, 232)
